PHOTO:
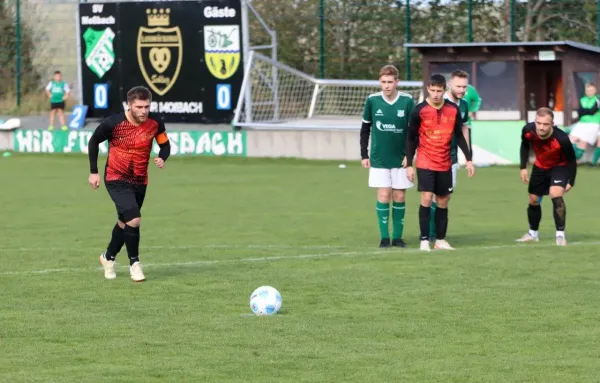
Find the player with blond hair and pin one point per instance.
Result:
(385, 120)
(553, 172)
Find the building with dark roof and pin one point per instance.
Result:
(515, 78)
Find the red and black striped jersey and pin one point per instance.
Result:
(550, 152)
(129, 146)
(430, 134)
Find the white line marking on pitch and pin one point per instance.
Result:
(172, 247)
(301, 256)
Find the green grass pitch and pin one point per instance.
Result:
(214, 229)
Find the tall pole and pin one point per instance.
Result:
(247, 57)
(513, 36)
(321, 39)
(18, 49)
(598, 22)
(408, 38)
(470, 21)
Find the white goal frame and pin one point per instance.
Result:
(302, 119)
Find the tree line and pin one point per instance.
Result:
(30, 75)
(361, 35)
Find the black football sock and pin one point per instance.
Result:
(424, 216)
(534, 215)
(132, 242)
(116, 243)
(560, 213)
(441, 222)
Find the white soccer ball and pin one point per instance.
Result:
(265, 300)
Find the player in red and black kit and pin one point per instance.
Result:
(130, 136)
(553, 172)
(432, 125)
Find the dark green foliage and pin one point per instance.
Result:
(30, 77)
(361, 36)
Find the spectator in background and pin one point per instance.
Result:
(587, 130)
(473, 99)
(58, 92)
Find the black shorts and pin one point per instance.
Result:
(57, 105)
(436, 182)
(541, 180)
(128, 199)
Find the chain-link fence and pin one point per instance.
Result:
(341, 39)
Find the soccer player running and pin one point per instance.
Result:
(553, 172)
(457, 88)
(130, 135)
(386, 115)
(432, 125)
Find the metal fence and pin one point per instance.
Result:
(340, 39)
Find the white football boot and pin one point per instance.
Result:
(425, 246)
(109, 267)
(136, 272)
(560, 239)
(530, 236)
(442, 244)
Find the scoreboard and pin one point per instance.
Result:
(189, 54)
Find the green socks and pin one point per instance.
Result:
(579, 152)
(398, 210)
(596, 156)
(383, 216)
(432, 220)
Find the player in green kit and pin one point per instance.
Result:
(58, 92)
(473, 100)
(455, 93)
(587, 129)
(385, 120)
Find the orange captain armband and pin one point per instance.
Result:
(161, 138)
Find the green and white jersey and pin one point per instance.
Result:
(463, 106)
(389, 126)
(57, 90)
(588, 103)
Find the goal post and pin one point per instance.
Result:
(276, 96)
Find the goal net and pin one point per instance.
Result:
(276, 96)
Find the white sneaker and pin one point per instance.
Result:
(136, 272)
(528, 237)
(109, 267)
(425, 246)
(561, 241)
(442, 244)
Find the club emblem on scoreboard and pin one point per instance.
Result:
(99, 51)
(222, 49)
(160, 51)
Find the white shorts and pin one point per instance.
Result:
(385, 178)
(586, 131)
(455, 168)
